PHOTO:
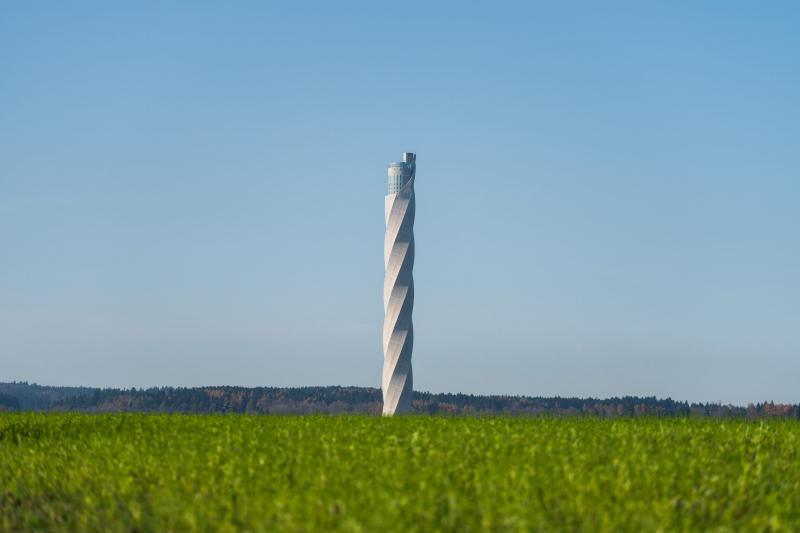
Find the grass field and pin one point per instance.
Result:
(262, 473)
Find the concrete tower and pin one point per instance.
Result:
(398, 287)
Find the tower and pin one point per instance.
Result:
(398, 287)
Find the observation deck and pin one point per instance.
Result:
(401, 172)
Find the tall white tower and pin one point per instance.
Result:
(398, 287)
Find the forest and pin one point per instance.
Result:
(23, 396)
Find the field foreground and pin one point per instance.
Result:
(71, 472)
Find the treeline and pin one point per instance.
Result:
(342, 400)
(8, 402)
(33, 397)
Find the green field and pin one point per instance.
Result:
(263, 473)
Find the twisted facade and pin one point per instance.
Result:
(398, 287)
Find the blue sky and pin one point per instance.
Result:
(607, 194)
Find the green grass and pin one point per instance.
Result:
(183, 473)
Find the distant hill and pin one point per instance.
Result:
(339, 400)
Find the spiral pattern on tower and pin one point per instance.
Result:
(398, 287)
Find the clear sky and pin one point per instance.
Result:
(608, 194)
